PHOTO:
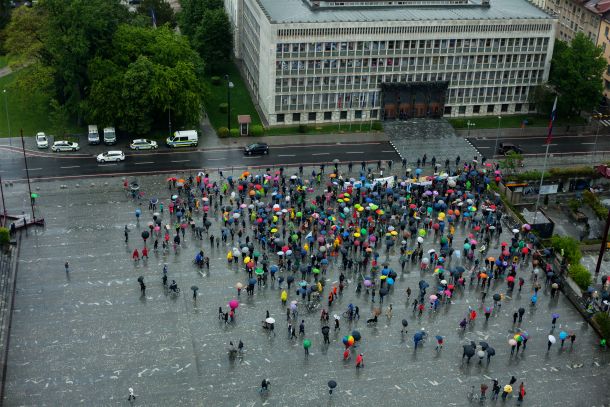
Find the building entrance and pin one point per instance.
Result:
(414, 99)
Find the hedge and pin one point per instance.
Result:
(603, 321)
(234, 132)
(570, 246)
(5, 237)
(223, 107)
(377, 126)
(580, 275)
(256, 130)
(223, 132)
(593, 201)
(554, 173)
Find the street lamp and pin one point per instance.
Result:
(598, 118)
(493, 153)
(469, 124)
(8, 123)
(229, 87)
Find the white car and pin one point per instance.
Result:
(65, 146)
(109, 156)
(143, 144)
(41, 140)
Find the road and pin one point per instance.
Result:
(48, 165)
(560, 145)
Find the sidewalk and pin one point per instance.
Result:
(532, 131)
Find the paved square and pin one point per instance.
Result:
(85, 337)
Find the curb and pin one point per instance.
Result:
(8, 317)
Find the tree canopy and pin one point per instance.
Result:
(163, 12)
(576, 74)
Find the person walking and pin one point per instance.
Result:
(142, 288)
(521, 394)
(264, 386)
(126, 231)
(302, 327)
(144, 253)
(135, 255)
(495, 390)
(67, 266)
(554, 320)
(132, 396)
(337, 327)
(515, 316)
(521, 313)
(359, 361)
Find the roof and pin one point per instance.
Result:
(297, 11)
(244, 119)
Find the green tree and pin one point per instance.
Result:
(5, 12)
(576, 74)
(192, 14)
(213, 39)
(151, 72)
(77, 31)
(164, 14)
(511, 161)
(25, 35)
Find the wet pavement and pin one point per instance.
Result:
(86, 336)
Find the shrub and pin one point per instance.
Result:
(223, 132)
(593, 201)
(573, 204)
(216, 80)
(5, 237)
(303, 128)
(377, 126)
(603, 320)
(570, 246)
(223, 107)
(580, 275)
(256, 130)
(234, 132)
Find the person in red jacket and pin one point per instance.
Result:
(359, 361)
(135, 255)
(144, 253)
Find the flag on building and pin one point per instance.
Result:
(154, 17)
(549, 136)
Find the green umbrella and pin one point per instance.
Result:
(259, 272)
(363, 231)
(315, 270)
(306, 343)
(34, 195)
(256, 254)
(299, 214)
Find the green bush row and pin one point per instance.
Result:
(580, 275)
(5, 237)
(554, 173)
(603, 321)
(570, 247)
(593, 201)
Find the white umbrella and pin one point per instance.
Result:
(552, 339)
(270, 321)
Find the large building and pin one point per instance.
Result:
(576, 16)
(310, 61)
(603, 40)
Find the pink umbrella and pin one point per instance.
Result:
(433, 298)
(448, 293)
(367, 283)
(157, 228)
(233, 304)
(373, 238)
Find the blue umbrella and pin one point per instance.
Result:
(274, 268)
(390, 281)
(563, 335)
(423, 284)
(439, 338)
(252, 281)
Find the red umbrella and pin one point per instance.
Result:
(510, 279)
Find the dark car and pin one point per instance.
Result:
(506, 148)
(256, 148)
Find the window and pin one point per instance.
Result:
(448, 110)
(296, 117)
(328, 115)
(518, 107)
(462, 110)
(504, 107)
(358, 114)
(311, 116)
(476, 109)
(374, 114)
(343, 115)
(280, 118)
(490, 108)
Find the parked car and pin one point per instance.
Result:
(41, 140)
(256, 148)
(183, 138)
(109, 156)
(63, 145)
(505, 148)
(143, 144)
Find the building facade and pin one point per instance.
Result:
(315, 62)
(575, 16)
(603, 40)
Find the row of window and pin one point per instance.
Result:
(448, 44)
(432, 27)
(326, 116)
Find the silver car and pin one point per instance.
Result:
(109, 156)
(143, 144)
(65, 146)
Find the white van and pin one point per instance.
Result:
(109, 136)
(184, 138)
(93, 136)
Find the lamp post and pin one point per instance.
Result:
(469, 124)
(8, 123)
(229, 87)
(493, 153)
(598, 117)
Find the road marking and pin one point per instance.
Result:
(105, 165)
(321, 154)
(287, 155)
(144, 162)
(33, 169)
(483, 147)
(71, 166)
(354, 152)
(255, 156)
(180, 161)
(544, 145)
(388, 151)
(216, 159)
(588, 143)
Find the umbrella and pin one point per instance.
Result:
(484, 345)
(140, 279)
(405, 323)
(356, 335)
(332, 384)
(468, 350)
(233, 304)
(508, 388)
(252, 281)
(270, 320)
(555, 315)
(306, 342)
(439, 338)
(325, 329)
(195, 288)
(563, 335)
(481, 354)
(512, 342)
(552, 339)
(433, 297)
(491, 351)
(259, 272)
(239, 285)
(497, 297)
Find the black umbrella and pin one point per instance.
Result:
(423, 284)
(484, 345)
(326, 330)
(497, 297)
(468, 350)
(290, 279)
(303, 268)
(491, 351)
(331, 385)
(207, 223)
(356, 335)
(393, 274)
(158, 222)
(140, 279)
(405, 323)
(194, 288)
(383, 290)
(145, 234)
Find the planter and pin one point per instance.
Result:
(578, 217)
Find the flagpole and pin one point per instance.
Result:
(546, 155)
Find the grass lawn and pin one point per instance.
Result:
(491, 122)
(358, 127)
(26, 110)
(3, 61)
(241, 103)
